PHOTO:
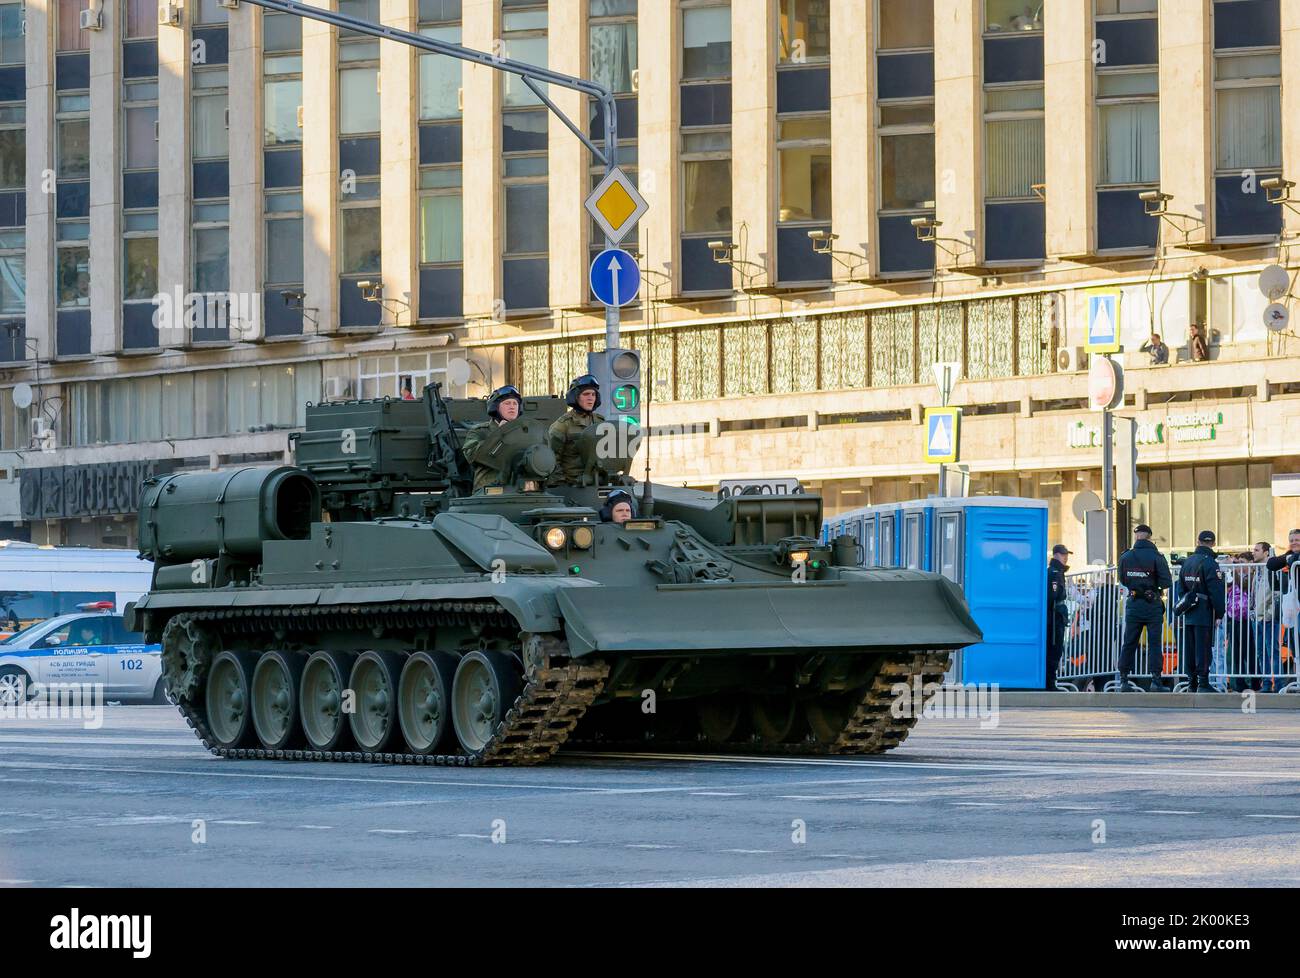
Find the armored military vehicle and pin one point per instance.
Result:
(366, 605)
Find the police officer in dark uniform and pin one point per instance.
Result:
(1144, 575)
(1057, 613)
(1200, 575)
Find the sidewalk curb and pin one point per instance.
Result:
(1184, 701)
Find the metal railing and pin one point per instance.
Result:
(1252, 648)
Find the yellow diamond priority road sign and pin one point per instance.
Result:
(616, 205)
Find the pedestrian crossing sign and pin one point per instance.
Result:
(1103, 321)
(942, 434)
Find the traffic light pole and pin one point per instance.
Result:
(532, 76)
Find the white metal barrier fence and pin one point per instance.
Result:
(1252, 647)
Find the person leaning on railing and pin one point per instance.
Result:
(1285, 562)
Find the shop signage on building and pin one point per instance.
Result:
(102, 489)
(1191, 426)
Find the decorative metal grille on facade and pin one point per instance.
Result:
(744, 358)
(697, 364)
(844, 352)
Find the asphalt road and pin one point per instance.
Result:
(1049, 797)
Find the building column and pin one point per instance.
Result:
(399, 166)
(245, 82)
(174, 172)
(1071, 134)
(106, 183)
(658, 115)
(481, 165)
(569, 161)
(959, 132)
(753, 140)
(320, 165)
(1291, 111)
(39, 52)
(853, 135)
(1186, 100)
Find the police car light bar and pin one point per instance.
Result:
(97, 606)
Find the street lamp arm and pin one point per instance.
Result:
(531, 74)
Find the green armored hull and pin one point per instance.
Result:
(366, 604)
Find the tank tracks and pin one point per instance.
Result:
(871, 727)
(553, 700)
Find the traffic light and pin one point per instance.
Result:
(1126, 458)
(619, 373)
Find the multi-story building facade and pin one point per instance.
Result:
(841, 194)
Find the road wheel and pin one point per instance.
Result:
(485, 687)
(15, 686)
(320, 700)
(424, 700)
(719, 717)
(773, 718)
(828, 714)
(230, 716)
(160, 697)
(275, 699)
(375, 680)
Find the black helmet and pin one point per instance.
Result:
(612, 500)
(502, 394)
(580, 384)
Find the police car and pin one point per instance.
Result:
(90, 646)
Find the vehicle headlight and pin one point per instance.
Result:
(583, 537)
(556, 537)
(798, 556)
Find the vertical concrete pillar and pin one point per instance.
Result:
(245, 81)
(658, 117)
(570, 162)
(320, 165)
(1291, 110)
(481, 142)
(753, 140)
(106, 182)
(174, 170)
(959, 131)
(1071, 130)
(1186, 101)
(853, 135)
(399, 165)
(40, 177)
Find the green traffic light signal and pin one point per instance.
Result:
(627, 397)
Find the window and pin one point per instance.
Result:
(441, 230)
(904, 24)
(74, 149)
(73, 275)
(209, 115)
(1247, 115)
(805, 29)
(612, 44)
(360, 216)
(211, 251)
(440, 78)
(13, 147)
(13, 272)
(1105, 7)
(525, 268)
(804, 157)
(70, 35)
(282, 84)
(358, 100)
(706, 42)
(12, 35)
(524, 40)
(706, 184)
(1014, 154)
(284, 242)
(1013, 15)
(389, 376)
(140, 279)
(361, 240)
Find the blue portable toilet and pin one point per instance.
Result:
(995, 549)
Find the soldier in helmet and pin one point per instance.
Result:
(619, 507)
(504, 404)
(583, 398)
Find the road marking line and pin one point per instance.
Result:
(15, 882)
(649, 845)
(561, 842)
(976, 804)
(1073, 808)
(750, 852)
(233, 821)
(391, 831)
(1167, 811)
(1273, 816)
(718, 794)
(315, 826)
(471, 835)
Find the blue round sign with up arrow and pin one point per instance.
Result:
(615, 278)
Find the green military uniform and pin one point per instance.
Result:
(471, 440)
(564, 435)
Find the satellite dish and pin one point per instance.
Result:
(458, 372)
(1274, 282)
(1085, 502)
(22, 395)
(1276, 317)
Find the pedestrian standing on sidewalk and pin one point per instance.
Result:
(1058, 613)
(1201, 583)
(1144, 575)
(1286, 562)
(1263, 619)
